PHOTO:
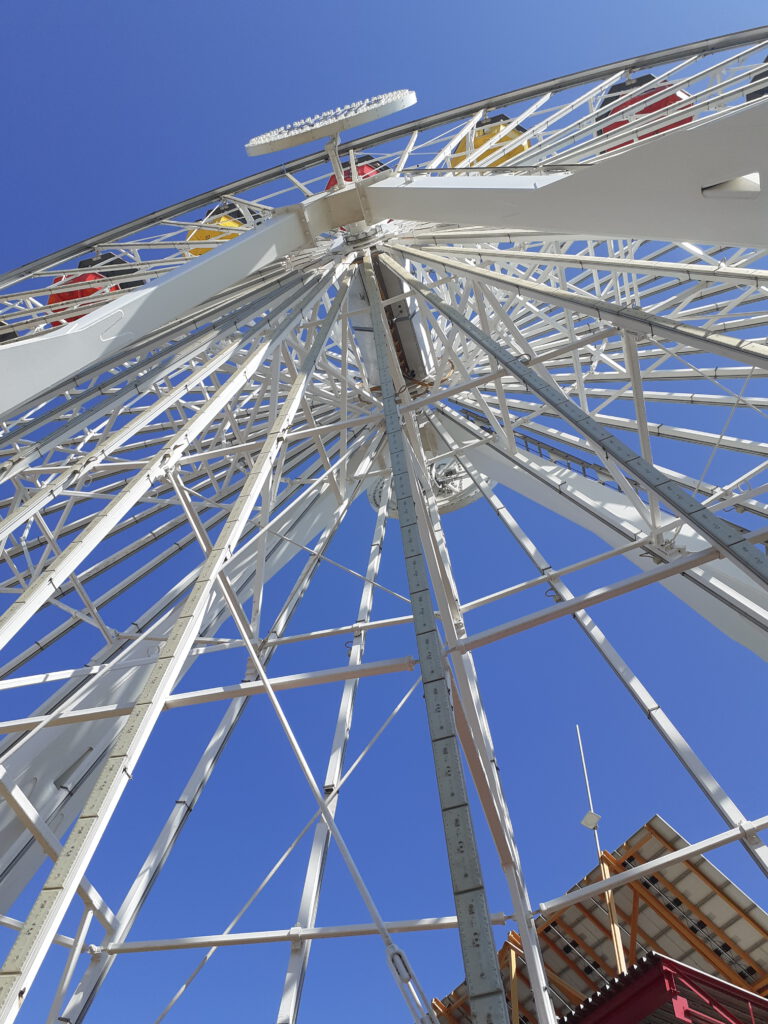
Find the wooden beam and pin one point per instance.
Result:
(680, 927)
(618, 948)
(571, 994)
(514, 1003)
(724, 896)
(633, 928)
(593, 985)
(582, 944)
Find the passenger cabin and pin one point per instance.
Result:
(495, 130)
(99, 273)
(7, 333)
(759, 79)
(367, 167)
(648, 95)
(218, 224)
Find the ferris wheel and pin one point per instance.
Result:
(250, 445)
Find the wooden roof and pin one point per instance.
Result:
(690, 912)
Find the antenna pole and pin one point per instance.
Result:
(590, 821)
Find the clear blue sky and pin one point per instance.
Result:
(115, 109)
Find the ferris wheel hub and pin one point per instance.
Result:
(452, 486)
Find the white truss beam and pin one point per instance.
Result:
(652, 189)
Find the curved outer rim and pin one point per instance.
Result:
(710, 45)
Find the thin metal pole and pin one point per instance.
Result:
(424, 924)
(586, 776)
(486, 991)
(618, 949)
(69, 967)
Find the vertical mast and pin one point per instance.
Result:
(486, 991)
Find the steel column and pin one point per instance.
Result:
(484, 984)
(475, 734)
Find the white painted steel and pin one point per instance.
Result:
(24, 959)
(562, 594)
(478, 948)
(61, 354)
(331, 122)
(745, 830)
(651, 190)
(296, 934)
(100, 966)
(310, 896)
(242, 402)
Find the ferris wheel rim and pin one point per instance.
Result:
(711, 44)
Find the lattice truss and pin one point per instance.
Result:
(206, 410)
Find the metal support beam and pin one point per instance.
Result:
(677, 743)
(31, 946)
(632, 319)
(69, 967)
(486, 990)
(300, 948)
(105, 521)
(100, 966)
(721, 535)
(62, 352)
(296, 934)
(401, 969)
(234, 692)
(745, 829)
(36, 824)
(472, 724)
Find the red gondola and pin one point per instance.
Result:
(367, 167)
(638, 105)
(99, 268)
(758, 79)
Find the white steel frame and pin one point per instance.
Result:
(448, 331)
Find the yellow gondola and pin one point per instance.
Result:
(225, 215)
(483, 132)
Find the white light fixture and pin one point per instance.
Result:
(331, 122)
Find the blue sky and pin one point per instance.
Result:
(119, 109)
